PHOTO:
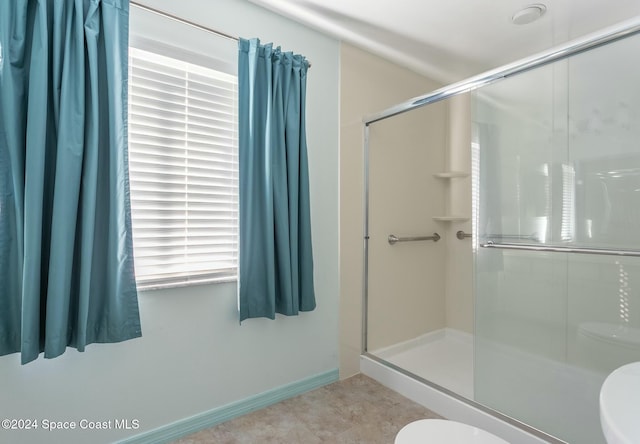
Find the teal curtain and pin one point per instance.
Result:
(276, 260)
(66, 257)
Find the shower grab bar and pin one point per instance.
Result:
(462, 235)
(392, 239)
(548, 248)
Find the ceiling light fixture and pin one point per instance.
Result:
(529, 14)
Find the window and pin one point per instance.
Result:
(183, 167)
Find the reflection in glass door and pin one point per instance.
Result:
(559, 167)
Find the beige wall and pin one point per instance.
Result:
(406, 280)
(368, 85)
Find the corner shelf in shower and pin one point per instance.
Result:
(452, 218)
(451, 174)
(448, 175)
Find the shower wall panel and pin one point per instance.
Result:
(406, 296)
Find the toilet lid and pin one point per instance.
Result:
(442, 431)
(621, 334)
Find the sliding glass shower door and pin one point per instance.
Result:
(405, 279)
(557, 301)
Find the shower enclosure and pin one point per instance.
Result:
(540, 161)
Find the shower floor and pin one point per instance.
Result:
(556, 396)
(444, 357)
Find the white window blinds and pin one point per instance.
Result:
(183, 168)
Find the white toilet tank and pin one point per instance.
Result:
(604, 346)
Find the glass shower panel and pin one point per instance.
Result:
(416, 164)
(603, 294)
(405, 280)
(559, 165)
(604, 145)
(521, 305)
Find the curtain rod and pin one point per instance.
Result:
(181, 20)
(185, 21)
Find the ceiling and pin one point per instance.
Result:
(449, 40)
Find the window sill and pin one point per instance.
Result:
(168, 285)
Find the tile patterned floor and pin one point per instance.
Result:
(357, 410)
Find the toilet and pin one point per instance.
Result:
(605, 346)
(442, 431)
(619, 405)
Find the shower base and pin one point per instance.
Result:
(557, 394)
(444, 357)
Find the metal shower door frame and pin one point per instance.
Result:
(605, 36)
